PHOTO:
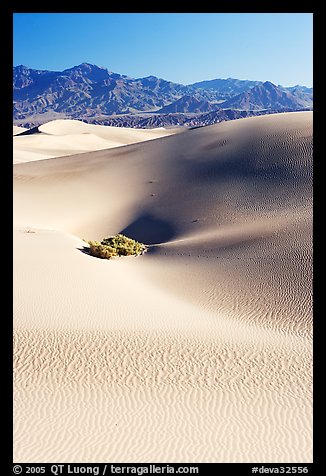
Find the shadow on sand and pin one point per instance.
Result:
(149, 230)
(146, 229)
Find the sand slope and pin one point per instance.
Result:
(64, 137)
(200, 350)
(18, 130)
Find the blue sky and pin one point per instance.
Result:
(180, 47)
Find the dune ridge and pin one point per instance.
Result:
(18, 130)
(199, 350)
(63, 137)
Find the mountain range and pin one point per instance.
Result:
(95, 94)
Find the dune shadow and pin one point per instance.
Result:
(149, 230)
(33, 130)
(85, 250)
(248, 167)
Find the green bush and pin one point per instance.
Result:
(118, 245)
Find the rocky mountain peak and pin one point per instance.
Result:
(90, 91)
(269, 85)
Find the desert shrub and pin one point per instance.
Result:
(118, 245)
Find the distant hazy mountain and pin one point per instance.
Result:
(301, 90)
(268, 96)
(188, 104)
(227, 87)
(88, 91)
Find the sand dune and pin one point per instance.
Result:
(197, 351)
(18, 130)
(64, 137)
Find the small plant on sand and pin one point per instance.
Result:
(118, 245)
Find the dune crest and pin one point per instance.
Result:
(18, 130)
(63, 137)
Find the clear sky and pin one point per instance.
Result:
(180, 47)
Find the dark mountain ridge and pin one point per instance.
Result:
(267, 96)
(88, 91)
(188, 103)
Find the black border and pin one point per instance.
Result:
(6, 39)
